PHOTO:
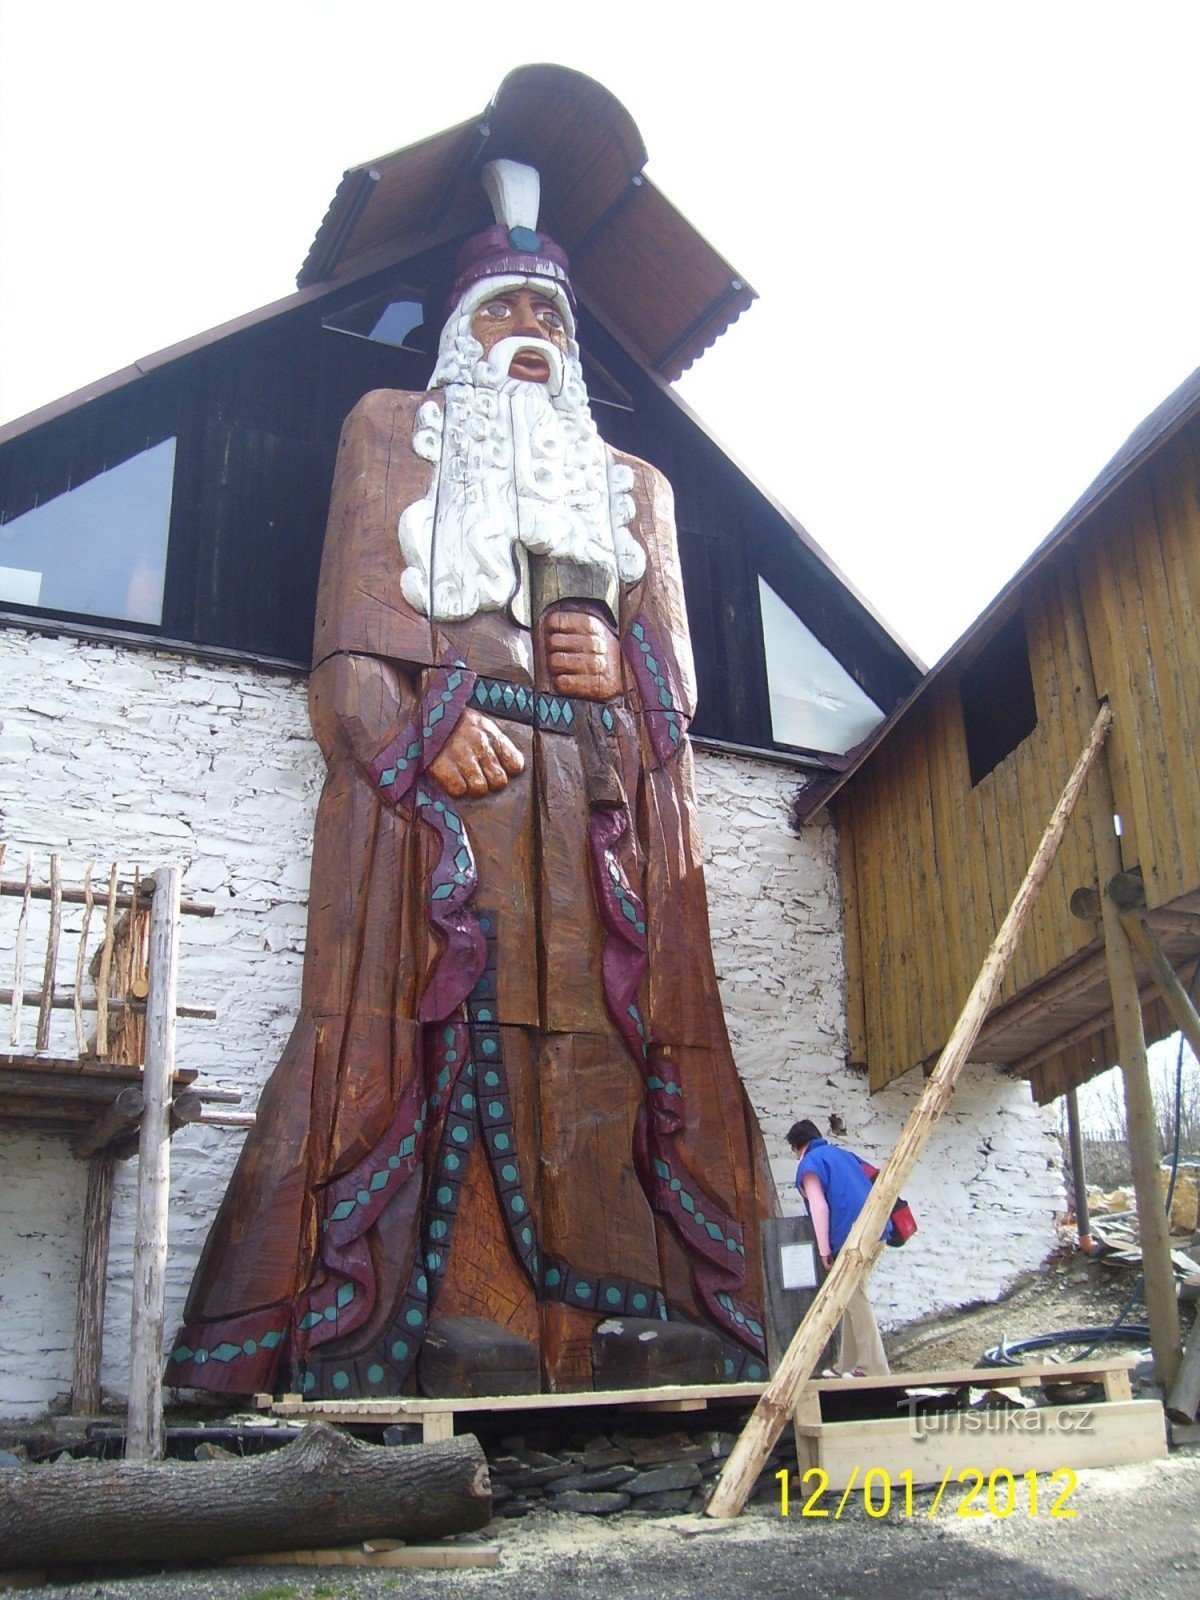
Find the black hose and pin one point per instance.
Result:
(1003, 1354)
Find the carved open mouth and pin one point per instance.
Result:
(530, 366)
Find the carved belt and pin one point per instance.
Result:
(549, 713)
(591, 721)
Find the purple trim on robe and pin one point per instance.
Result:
(666, 724)
(396, 768)
(718, 1265)
(452, 883)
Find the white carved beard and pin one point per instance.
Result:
(517, 469)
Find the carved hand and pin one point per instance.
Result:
(476, 759)
(584, 655)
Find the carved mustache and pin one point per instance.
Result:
(495, 366)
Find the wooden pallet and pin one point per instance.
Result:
(437, 1416)
(1113, 1431)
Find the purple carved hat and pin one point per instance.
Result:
(512, 247)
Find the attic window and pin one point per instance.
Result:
(100, 549)
(815, 703)
(394, 319)
(998, 705)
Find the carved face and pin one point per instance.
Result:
(518, 313)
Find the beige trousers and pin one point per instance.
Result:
(860, 1344)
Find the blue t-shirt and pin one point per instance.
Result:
(845, 1183)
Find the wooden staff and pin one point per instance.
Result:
(19, 958)
(81, 959)
(854, 1259)
(48, 971)
(106, 954)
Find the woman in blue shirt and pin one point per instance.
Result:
(834, 1189)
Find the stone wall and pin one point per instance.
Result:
(121, 752)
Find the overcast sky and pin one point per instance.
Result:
(974, 230)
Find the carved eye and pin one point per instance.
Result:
(497, 310)
(549, 318)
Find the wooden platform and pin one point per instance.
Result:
(1114, 1430)
(437, 1416)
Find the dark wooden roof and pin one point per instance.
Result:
(634, 257)
(1162, 424)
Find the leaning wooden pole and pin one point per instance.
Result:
(143, 1435)
(854, 1259)
(1141, 1126)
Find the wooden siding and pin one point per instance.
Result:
(931, 863)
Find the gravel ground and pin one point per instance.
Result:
(1134, 1535)
(1135, 1532)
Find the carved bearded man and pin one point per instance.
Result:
(509, 1094)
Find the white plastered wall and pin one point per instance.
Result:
(114, 752)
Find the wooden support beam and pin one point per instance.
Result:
(1083, 1224)
(1162, 1306)
(122, 900)
(93, 1283)
(143, 1439)
(853, 1261)
(71, 1000)
(122, 1112)
(1175, 996)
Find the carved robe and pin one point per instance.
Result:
(509, 1092)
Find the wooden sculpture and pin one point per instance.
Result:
(509, 1094)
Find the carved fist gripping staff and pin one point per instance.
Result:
(509, 1093)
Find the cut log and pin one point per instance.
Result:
(323, 1489)
(1183, 1402)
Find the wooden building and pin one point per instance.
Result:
(941, 809)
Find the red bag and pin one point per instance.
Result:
(904, 1224)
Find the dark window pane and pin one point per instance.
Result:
(393, 319)
(998, 705)
(99, 549)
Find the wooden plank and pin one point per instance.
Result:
(854, 1260)
(856, 1020)
(1075, 865)
(415, 1557)
(1100, 592)
(1043, 1440)
(143, 1437)
(934, 999)
(948, 776)
(982, 1377)
(403, 1406)
(1151, 645)
(93, 1284)
(1173, 629)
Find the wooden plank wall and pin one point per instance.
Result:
(931, 863)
